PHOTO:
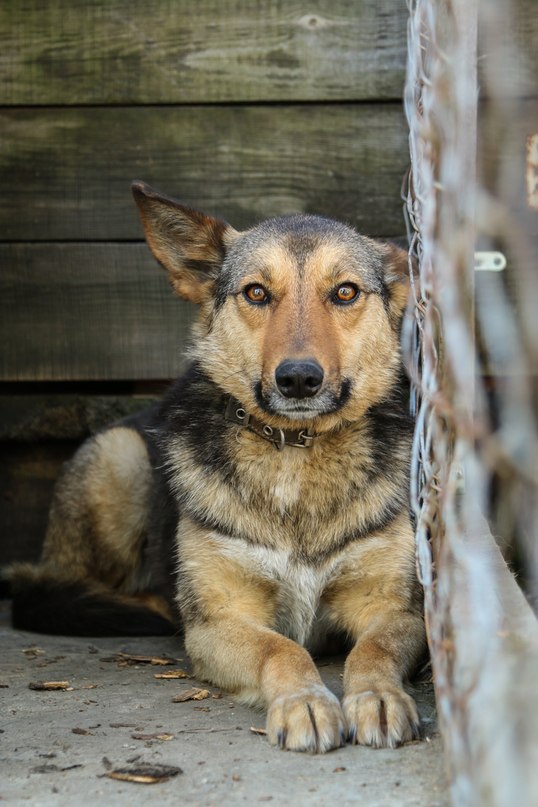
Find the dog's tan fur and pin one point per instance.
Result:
(276, 550)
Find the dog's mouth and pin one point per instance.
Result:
(326, 401)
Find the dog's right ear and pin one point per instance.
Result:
(190, 245)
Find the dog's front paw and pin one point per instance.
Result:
(308, 720)
(383, 718)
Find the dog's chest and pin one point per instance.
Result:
(298, 487)
(303, 501)
(285, 491)
(300, 613)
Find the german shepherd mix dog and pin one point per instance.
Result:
(263, 504)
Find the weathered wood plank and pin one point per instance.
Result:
(27, 477)
(126, 51)
(504, 128)
(508, 53)
(505, 300)
(88, 311)
(65, 173)
(35, 418)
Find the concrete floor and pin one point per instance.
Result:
(60, 747)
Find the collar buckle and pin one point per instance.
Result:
(305, 439)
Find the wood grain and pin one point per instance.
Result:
(27, 477)
(88, 311)
(508, 55)
(41, 417)
(126, 51)
(121, 52)
(65, 173)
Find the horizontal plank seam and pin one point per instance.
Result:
(129, 242)
(30, 388)
(389, 100)
(374, 101)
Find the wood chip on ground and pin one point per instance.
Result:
(194, 694)
(145, 774)
(172, 674)
(50, 685)
(32, 652)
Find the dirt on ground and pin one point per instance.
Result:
(111, 721)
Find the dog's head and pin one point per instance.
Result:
(300, 315)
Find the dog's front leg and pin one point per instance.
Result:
(378, 711)
(229, 612)
(261, 665)
(377, 602)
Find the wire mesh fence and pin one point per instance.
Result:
(471, 346)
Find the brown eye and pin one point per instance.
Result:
(256, 294)
(346, 293)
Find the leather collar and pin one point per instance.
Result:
(298, 438)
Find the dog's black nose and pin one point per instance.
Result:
(299, 379)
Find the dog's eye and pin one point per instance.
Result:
(346, 293)
(256, 294)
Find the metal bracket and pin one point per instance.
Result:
(489, 261)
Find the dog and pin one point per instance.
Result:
(262, 505)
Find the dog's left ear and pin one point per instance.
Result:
(188, 244)
(397, 269)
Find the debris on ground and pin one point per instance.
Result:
(194, 694)
(127, 659)
(119, 719)
(50, 686)
(172, 674)
(33, 652)
(145, 774)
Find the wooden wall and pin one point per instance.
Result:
(246, 110)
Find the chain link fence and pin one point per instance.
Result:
(471, 346)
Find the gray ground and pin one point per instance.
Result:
(60, 747)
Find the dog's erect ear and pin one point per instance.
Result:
(190, 245)
(397, 267)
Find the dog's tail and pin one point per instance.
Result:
(45, 604)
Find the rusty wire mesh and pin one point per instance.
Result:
(471, 348)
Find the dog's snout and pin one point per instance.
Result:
(299, 379)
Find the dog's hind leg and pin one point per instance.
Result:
(91, 579)
(45, 604)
